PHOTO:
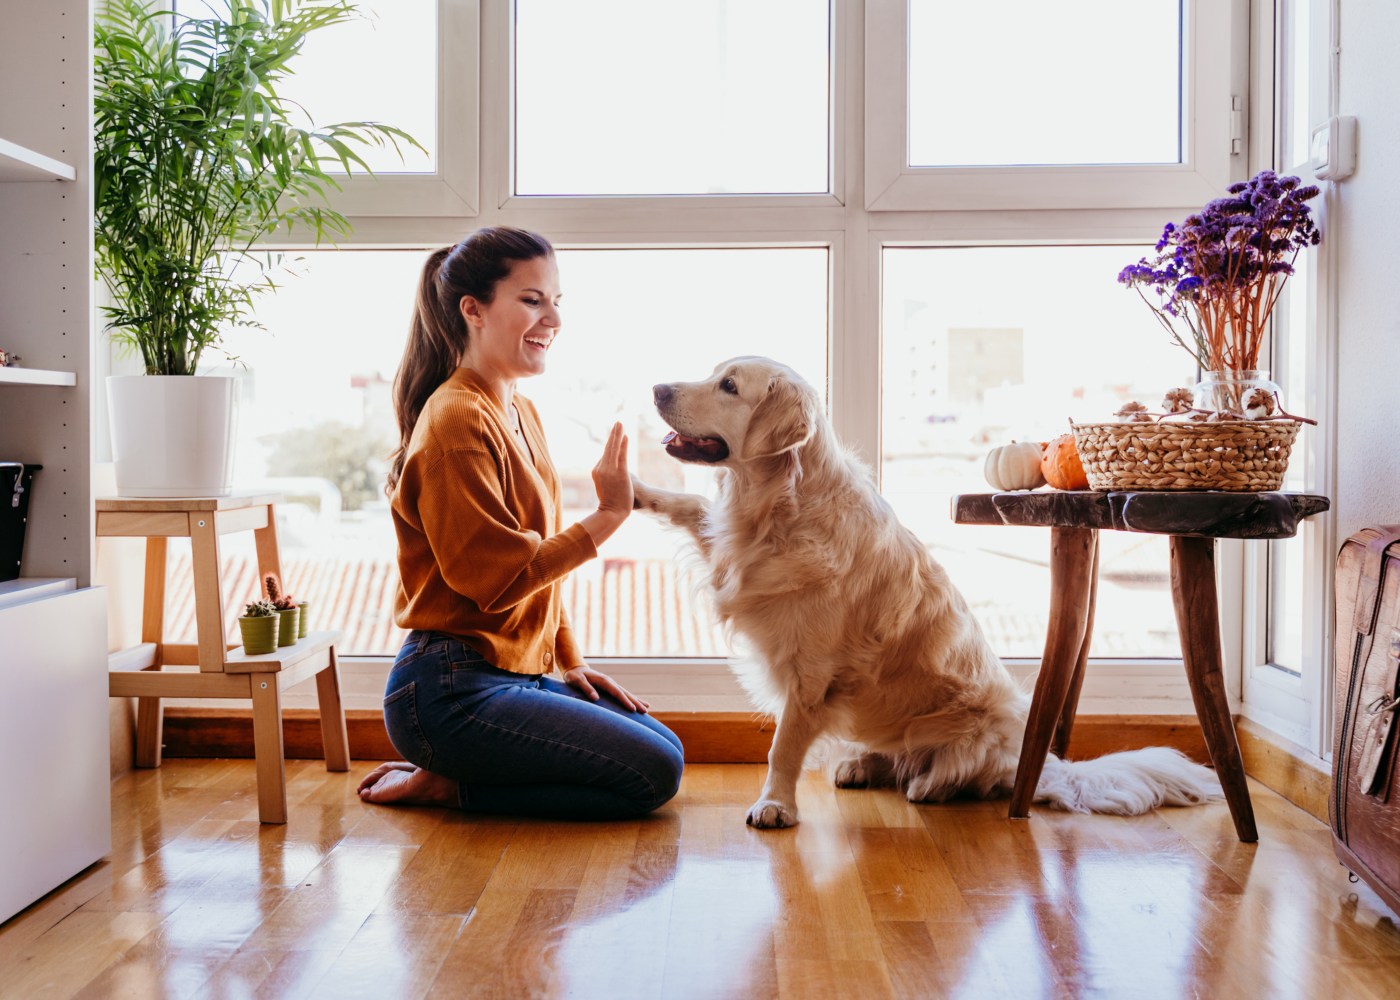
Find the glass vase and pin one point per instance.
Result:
(1234, 392)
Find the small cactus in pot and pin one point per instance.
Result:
(286, 607)
(258, 626)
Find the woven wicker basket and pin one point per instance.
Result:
(1243, 456)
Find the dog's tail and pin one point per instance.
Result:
(1128, 783)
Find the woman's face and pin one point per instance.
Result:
(510, 336)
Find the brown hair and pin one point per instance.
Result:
(437, 335)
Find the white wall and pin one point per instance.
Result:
(1364, 224)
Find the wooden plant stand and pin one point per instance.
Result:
(223, 671)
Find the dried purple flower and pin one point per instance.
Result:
(1221, 271)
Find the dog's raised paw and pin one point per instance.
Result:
(768, 814)
(642, 495)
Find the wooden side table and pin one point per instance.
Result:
(1193, 521)
(224, 671)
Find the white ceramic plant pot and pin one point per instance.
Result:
(172, 435)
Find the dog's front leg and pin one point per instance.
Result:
(684, 510)
(777, 804)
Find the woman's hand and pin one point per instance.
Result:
(613, 484)
(611, 480)
(590, 681)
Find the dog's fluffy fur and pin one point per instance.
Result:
(857, 631)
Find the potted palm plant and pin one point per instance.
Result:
(197, 160)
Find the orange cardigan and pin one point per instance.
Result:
(481, 553)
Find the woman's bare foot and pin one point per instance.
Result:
(399, 782)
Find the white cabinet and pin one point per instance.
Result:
(53, 632)
(53, 675)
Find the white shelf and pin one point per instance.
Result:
(35, 376)
(32, 588)
(20, 164)
(55, 714)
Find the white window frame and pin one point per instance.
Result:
(852, 230)
(1214, 102)
(498, 67)
(1299, 706)
(453, 188)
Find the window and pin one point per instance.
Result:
(987, 345)
(671, 98)
(317, 421)
(1017, 105)
(316, 425)
(634, 318)
(1038, 89)
(1286, 682)
(398, 40)
(690, 162)
(424, 56)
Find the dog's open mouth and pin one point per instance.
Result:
(695, 449)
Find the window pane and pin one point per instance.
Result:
(640, 97)
(631, 321)
(1287, 598)
(316, 424)
(399, 42)
(378, 68)
(1286, 605)
(987, 345)
(1295, 51)
(1024, 82)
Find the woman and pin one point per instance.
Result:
(471, 702)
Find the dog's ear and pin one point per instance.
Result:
(782, 421)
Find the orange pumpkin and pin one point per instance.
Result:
(1061, 466)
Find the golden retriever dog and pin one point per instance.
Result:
(857, 632)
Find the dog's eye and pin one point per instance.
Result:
(728, 386)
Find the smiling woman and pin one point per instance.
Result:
(482, 553)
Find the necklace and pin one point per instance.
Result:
(519, 429)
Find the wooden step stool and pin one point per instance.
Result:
(223, 671)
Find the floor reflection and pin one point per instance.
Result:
(690, 918)
(869, 897)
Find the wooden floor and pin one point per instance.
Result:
(869, 897)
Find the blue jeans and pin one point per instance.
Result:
(524, 745)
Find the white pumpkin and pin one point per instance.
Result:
(1015, 466)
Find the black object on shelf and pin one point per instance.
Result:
(16, 484)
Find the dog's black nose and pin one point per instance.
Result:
(660, 393)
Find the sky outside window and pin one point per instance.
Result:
(640, 97)
(1022, 82)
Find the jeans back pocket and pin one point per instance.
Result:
(404, 728)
